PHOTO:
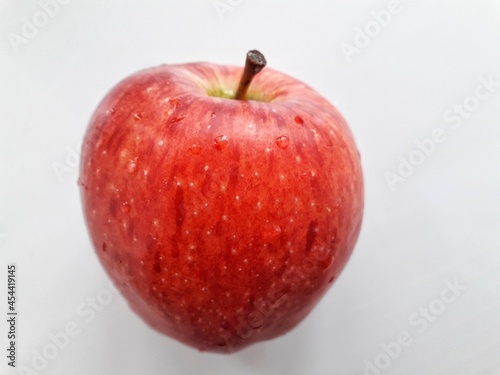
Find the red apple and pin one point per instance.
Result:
(223, 221)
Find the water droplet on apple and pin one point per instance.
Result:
(132, 166)
(282, 141)
(195, 149)
(270, 233)
(178, 118)
(174, 103)
(80, 182)
(112, 110)
(331, 279)
(220, 143)
(137, 116)
(125, 207)
(104, 247)
(212, 114)
(220, 343)
(299, 120)
(326, 263)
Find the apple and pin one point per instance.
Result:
(221, 202)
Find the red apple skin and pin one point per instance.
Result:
(223, 222)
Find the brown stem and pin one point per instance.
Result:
(254, 63)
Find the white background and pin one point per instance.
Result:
(440, 225)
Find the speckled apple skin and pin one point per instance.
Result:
(222, 222)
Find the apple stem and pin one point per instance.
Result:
(254, 63)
